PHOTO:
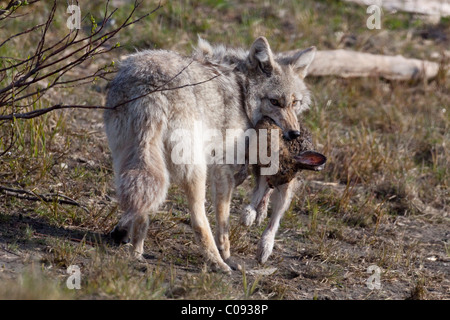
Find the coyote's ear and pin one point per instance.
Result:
(310, 160)
(301, 61)
(260, 56)
(203, 47)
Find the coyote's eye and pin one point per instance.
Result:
(295, 102)
(275, 102)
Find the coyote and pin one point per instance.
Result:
(157, 92)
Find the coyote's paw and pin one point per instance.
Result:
(233, 264)
(265, 248)
(135, 254)
(119, 235)
(221, 267)
(261, 215)
(248, 216)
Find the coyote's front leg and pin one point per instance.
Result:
(257, 209)
(281, 199)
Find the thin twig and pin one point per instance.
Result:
(50, 197)
(40, 112)
(22, 33)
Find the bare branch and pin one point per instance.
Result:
(40, 112)
(34, 69)
(21, 33)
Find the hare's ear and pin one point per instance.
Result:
(300, 60)
(260, 56)
(310, 160)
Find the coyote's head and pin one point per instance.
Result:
(275, 87)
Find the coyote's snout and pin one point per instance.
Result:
(158, 92)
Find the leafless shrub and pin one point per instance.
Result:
(53, 63)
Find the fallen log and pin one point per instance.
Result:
(346, 63)
(439, 8)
